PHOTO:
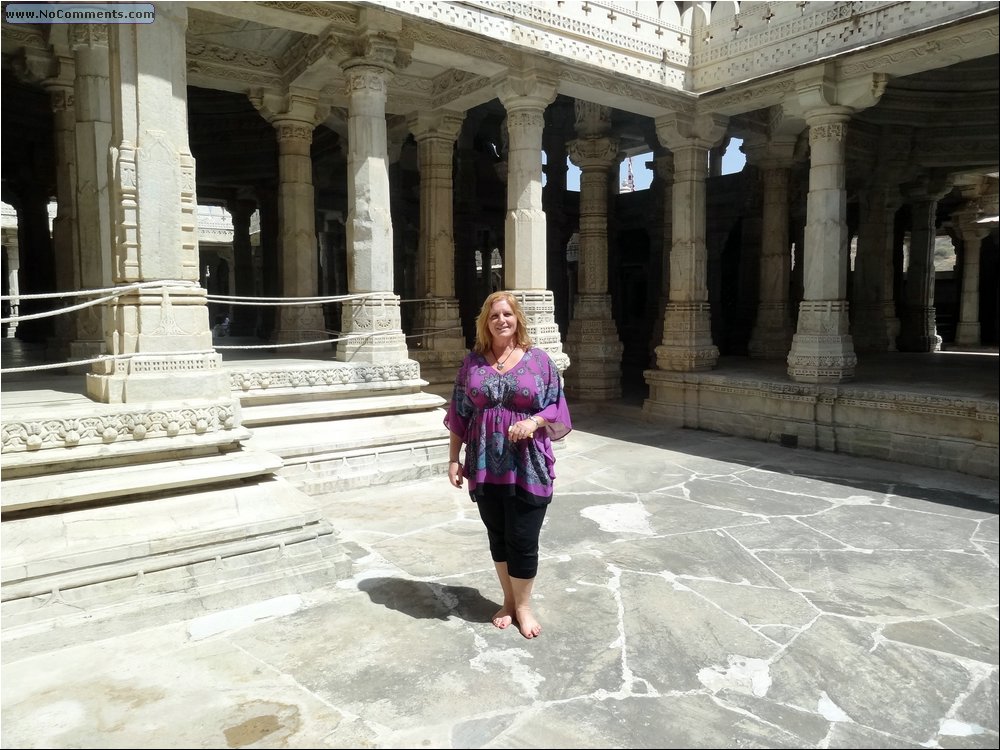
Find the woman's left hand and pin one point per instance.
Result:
(521, 430)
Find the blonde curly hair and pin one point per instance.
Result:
(484, 339)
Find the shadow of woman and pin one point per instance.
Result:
(426, 600)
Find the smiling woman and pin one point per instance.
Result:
(507, 407)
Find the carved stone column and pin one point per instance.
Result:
(663, 187)
(95, 235)
(525, 95)
(242, 323)
(918, 318)
(822, 350)
(872, 292)
(687, 335)
(441, 345)
(64, 239)
(559, 118)
(773, 328)
(874, 324)
(592, 339)
(162, 333)
(373, 323)
(294, 116)
(11, 250)
(973, 234)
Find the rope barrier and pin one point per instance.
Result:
(246, 347)
(113, 290)
(113, 293)
(109, 294)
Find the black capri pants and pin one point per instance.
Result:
(512, 526)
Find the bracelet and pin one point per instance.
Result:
(537, 423)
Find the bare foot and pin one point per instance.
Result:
(503, 618)
(526, 622)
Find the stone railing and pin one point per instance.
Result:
(765, 38)
(652, 42)
(607, 35)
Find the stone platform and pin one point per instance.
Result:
(936, 410)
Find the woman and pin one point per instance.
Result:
(507, 408)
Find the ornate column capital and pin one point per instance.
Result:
(62, 95)
(927, 187)
(593, 153)
(818, 89)
(770, 151)
(439, 124)
(299, 105)
(530, 89)
(88, 35)
(683, 130)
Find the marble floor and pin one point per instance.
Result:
(695, 590)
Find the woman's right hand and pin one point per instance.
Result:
(455, 474)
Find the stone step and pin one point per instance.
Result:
(103, 568)
(315, 410)
(106, 483)
(337, 455)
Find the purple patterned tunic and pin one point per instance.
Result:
(486, 402)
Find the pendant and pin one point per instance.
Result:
(499, 365)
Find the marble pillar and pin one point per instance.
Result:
(972, 234)
(918, 318)
(822, 350)
(872, 304)
(592, 340)
(242, 323)
(158, 328)
(559, 117)
(687, 336)
(94, 229)
(663, 191)
(294, 115)
(371, 326)
(37, 270)
(525, 95)
(886, 158)
(772, 332)
(12, 308)
(440, 344)
(64, 239)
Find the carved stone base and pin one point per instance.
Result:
(869, 329)
(968, 334)
(821, 359)
(301, 324)
(687, 338)
(154, 378)
(372, 331)
(596, 349)
(438, 344)
(822, 351)
(539, 308)
(892, 324)
(918, 331)
(772, 333)
(84, 350)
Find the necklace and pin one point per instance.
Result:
(500, 362)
